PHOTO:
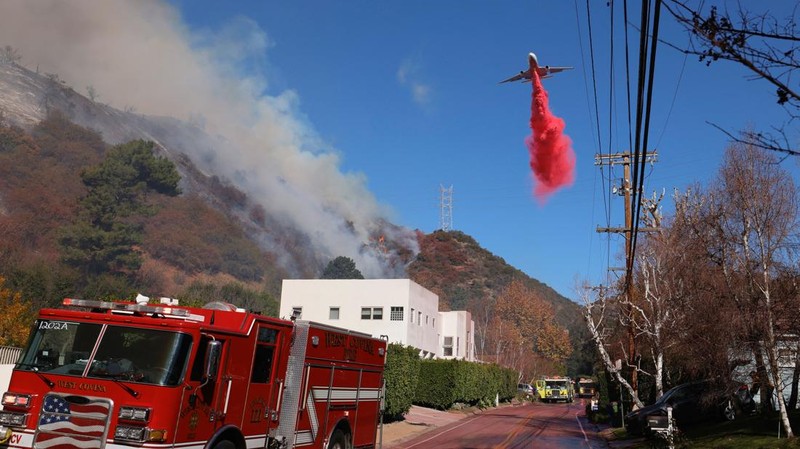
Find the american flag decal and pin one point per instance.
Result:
(72, 422)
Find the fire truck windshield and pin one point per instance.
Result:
(123, 353)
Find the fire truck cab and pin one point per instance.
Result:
(139, 375)
(556, 388)
(587, 387)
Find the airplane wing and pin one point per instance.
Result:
(524, 75)
(544, 72)
(551, 70)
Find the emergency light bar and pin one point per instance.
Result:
(123, 307)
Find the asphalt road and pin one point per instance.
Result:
(531, 426)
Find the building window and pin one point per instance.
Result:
(447, 348)
(426, 320)
(396, 313)
(334, 313)
(419, 318)
(297, 312)
(411, 316)
(372, 313)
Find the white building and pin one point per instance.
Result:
(399, 309)
(787, 353)
(458, 335)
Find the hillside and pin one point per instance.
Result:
(192, 237)
(278, 194)
(219, 239)
(187, 244)
(465, 276)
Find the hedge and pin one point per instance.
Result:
(401, 375)
(446, 382)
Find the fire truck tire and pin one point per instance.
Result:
(224, 444)
(338, 440)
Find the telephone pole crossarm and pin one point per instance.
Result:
(619, 158)
(623, 230)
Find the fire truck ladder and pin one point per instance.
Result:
(293, 388)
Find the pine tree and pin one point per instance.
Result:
(106, 234)
(341, 268)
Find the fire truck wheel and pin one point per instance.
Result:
(338, 440)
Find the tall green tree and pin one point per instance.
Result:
(108, 229)
(341, 268)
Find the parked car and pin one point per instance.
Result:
(691, 402)
(525, 389)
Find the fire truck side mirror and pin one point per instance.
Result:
(211, 362)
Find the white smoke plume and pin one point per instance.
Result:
(138, 55)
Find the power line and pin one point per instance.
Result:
(637, 202)
(594, 77)
(672, 104)
(627, 72)
(610, 128)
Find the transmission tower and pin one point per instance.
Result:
(445, 208)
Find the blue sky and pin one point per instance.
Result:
(407, 94)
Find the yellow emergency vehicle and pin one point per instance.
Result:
(586, 387)
(555, 388)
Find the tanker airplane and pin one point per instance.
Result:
(533, 64)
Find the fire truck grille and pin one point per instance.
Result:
(67, 422)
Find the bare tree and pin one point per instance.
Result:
(765, 45)
(483, 314)
(760, 215)
(9, 55)
(658, 310)
(504, 339)
(716, 323)
(51, 92)
(598, 314)
(92, 93)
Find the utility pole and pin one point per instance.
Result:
(625, 190)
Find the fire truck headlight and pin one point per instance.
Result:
(13, 419)
(17, 400)
(129, 433)
(141, 414)
(140, 434)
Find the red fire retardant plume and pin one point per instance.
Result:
(552, 158)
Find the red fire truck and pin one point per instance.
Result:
(108, 374)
